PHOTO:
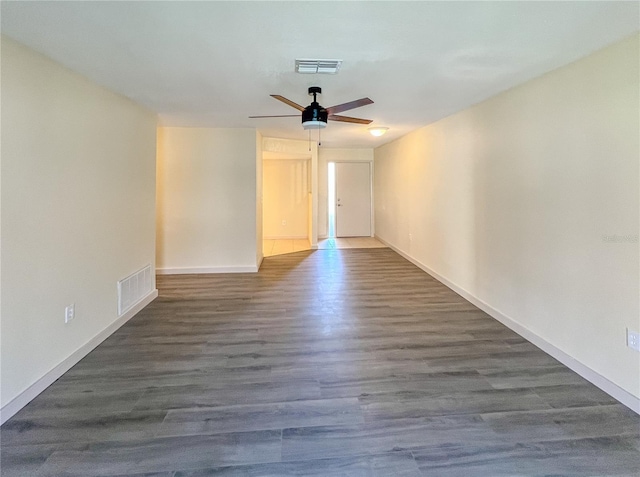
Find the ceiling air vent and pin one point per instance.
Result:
(327, 67)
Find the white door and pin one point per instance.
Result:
(353, 199)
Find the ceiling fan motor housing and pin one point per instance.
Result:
(314, 116)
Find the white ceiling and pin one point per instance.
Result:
(213, 64)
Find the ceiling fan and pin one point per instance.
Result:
(315, 116)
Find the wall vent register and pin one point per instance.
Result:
(134, 288)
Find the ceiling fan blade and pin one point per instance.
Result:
(277, 116)
(350, 105)
(347, 119)
(288, 101)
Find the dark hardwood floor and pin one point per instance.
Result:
(326, 363)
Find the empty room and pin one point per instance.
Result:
(319, 238)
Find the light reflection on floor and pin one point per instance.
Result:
(331, 320)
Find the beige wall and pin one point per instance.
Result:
(78, 182)
(207, 200)
(325, 156)
(286, 198)
(512, 201)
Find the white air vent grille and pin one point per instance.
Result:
(328, 67)
(133, 289)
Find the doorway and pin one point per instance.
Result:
(349, 193)
(286, 205)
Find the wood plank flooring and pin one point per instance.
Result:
(325, 363)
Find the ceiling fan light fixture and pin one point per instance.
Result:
(313, 124)
(378, 131)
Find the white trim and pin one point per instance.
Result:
(26, 396)
(198, 270)
(595, 378)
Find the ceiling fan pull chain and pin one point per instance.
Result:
(309, 140)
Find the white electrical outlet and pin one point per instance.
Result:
(69, 313)
(633, 339)
(284, 222)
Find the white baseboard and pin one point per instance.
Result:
(197, 270)
(26, 396)
(595, 378)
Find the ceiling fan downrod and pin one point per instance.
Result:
(313, 90)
